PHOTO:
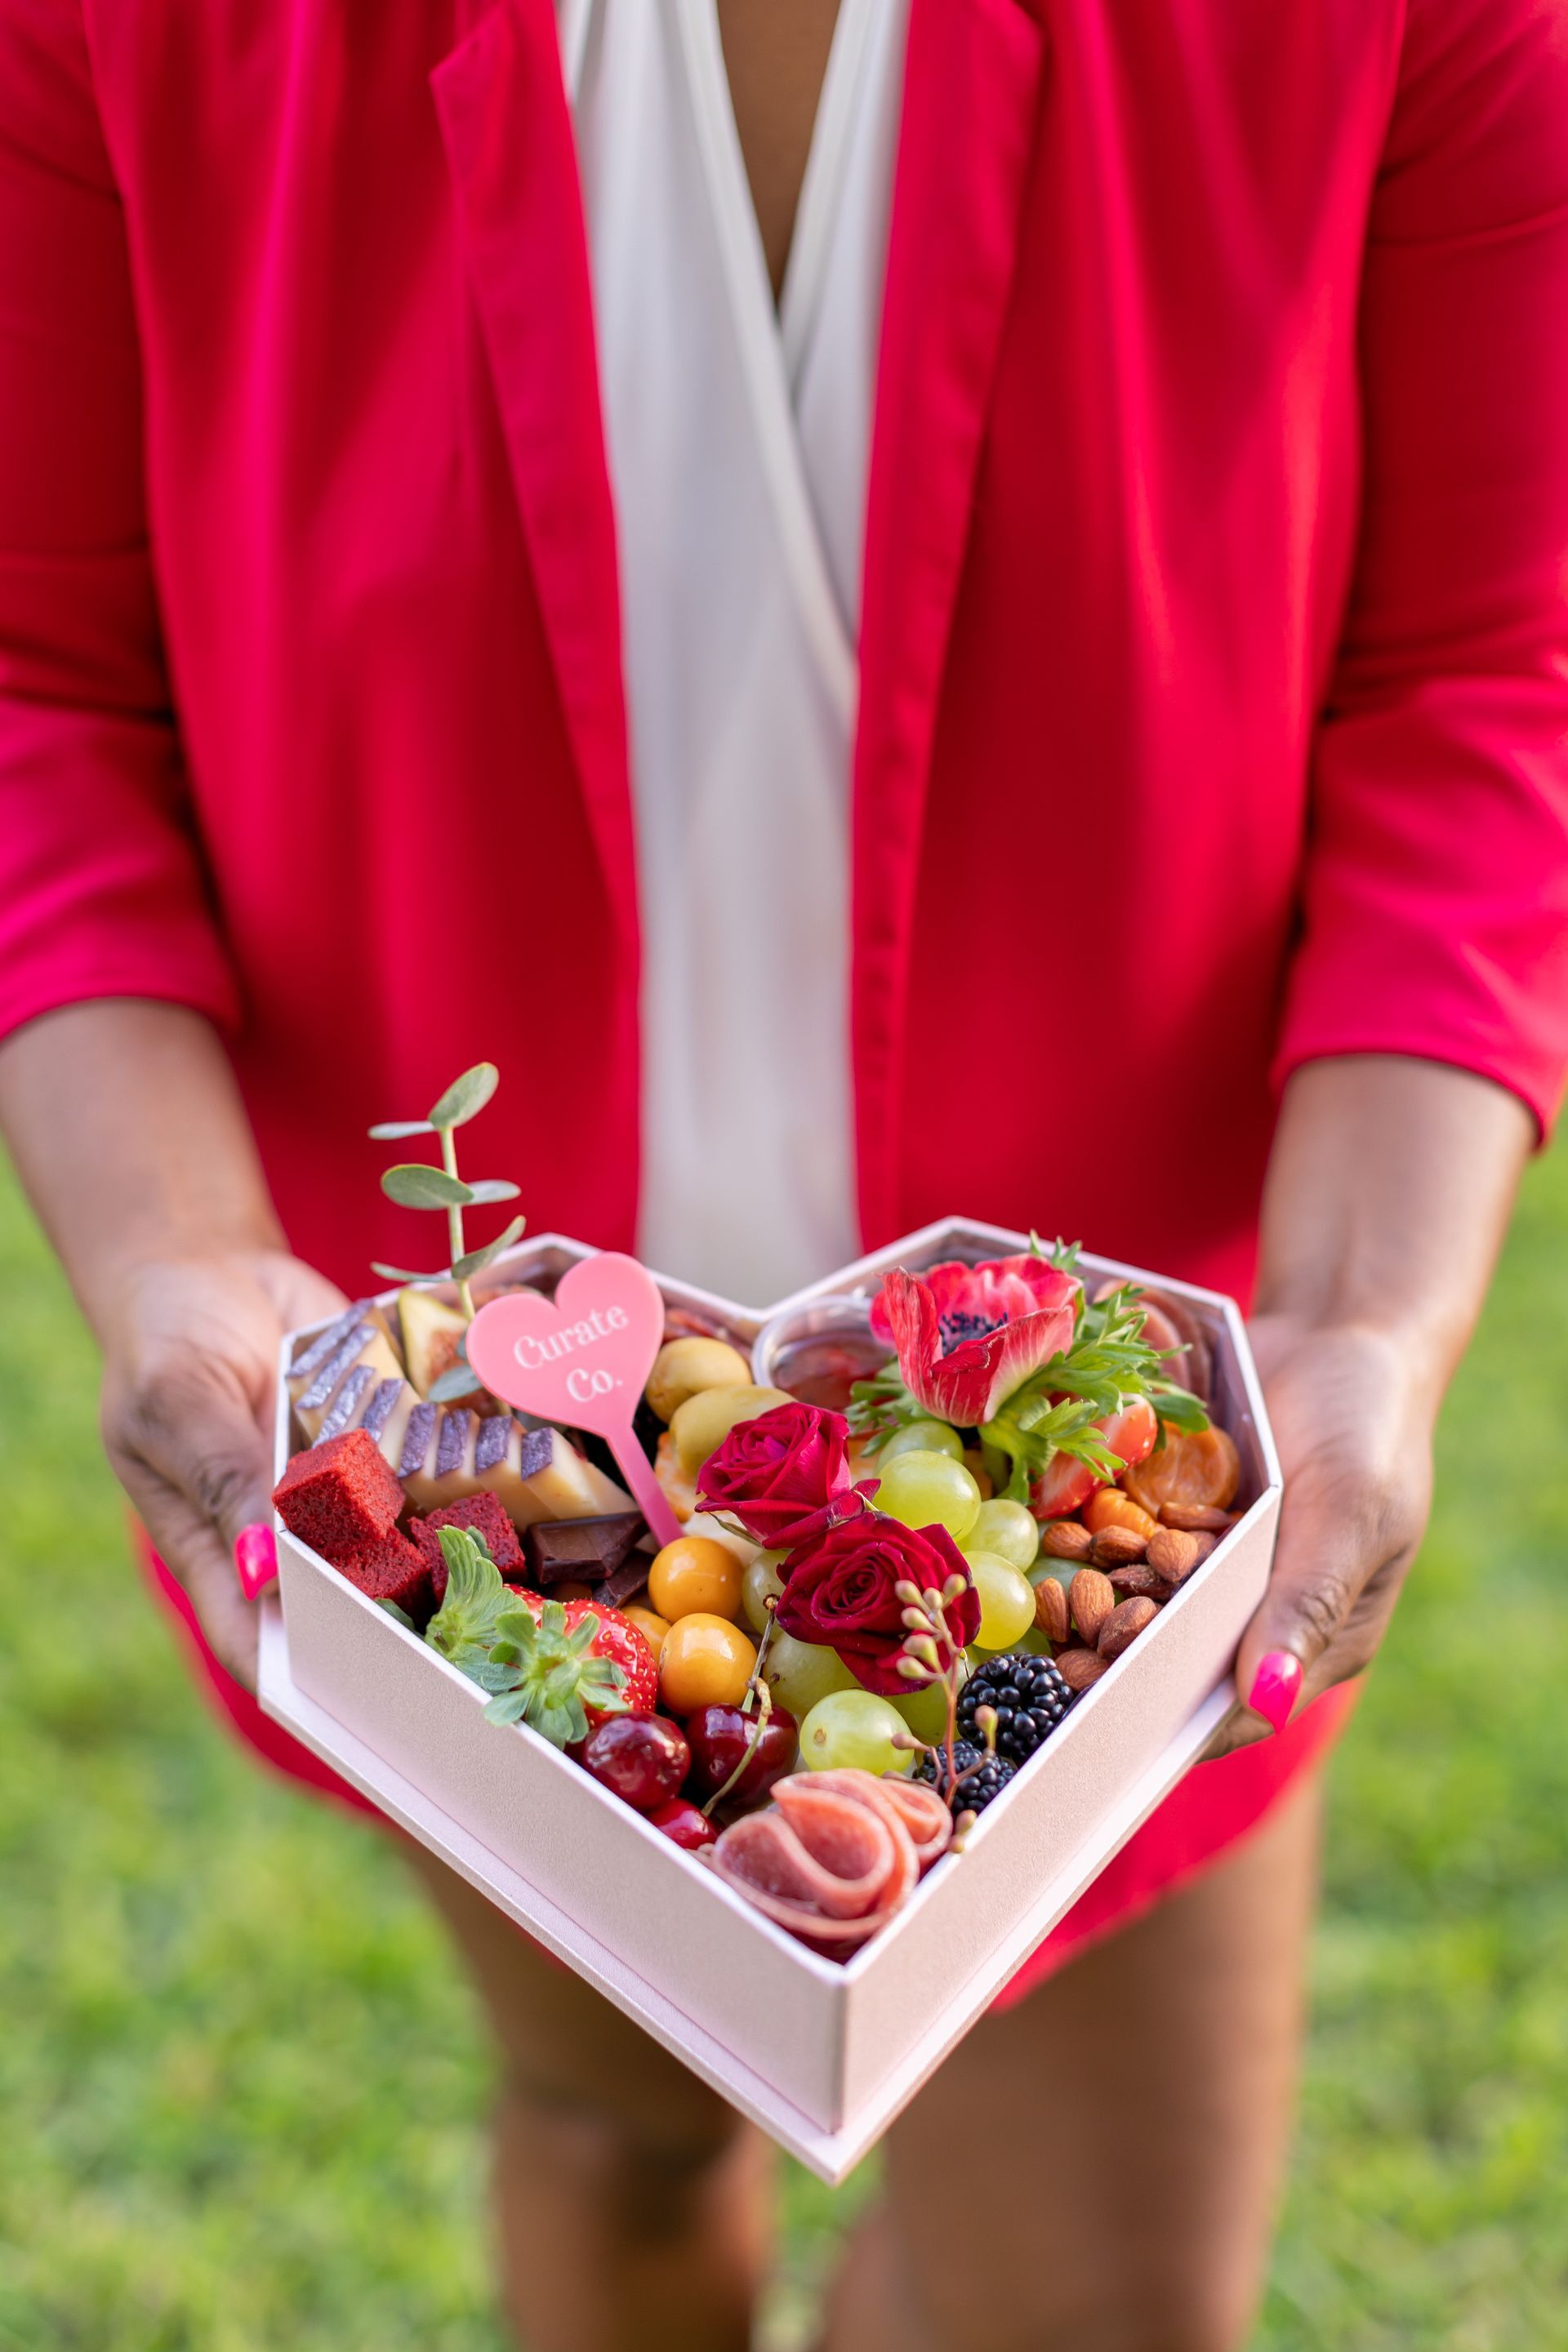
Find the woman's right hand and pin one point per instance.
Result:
(189, 1387)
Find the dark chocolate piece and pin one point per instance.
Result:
(453, 1442)
(563, 1551)
(343, 1410)
(336, 1365)
(417, 1438)
(625, 1583)
(378, 1412)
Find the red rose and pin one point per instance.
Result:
(779, 1474)
(839, 1590)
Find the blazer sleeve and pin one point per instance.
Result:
(102, 885)
(1434, 892)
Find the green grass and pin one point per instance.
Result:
(241, 2096)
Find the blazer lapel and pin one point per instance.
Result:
(507, 128)
(972, 85)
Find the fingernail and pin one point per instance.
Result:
(1274, 1687)
(255, 1558)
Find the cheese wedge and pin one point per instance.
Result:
(314, 1383)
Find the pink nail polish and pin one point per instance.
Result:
(1274, 1687)
(255, 1558)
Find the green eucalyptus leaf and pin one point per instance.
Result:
(474, 1260)
(466, 1096)
(456, 1381)
(392, 1130)
(489, 1188)
(401, 1274)
(412, 1184)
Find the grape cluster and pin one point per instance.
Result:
(1030, 1698)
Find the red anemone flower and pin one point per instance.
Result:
(967, 1336)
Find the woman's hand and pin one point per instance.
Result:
(189, 1386)
(129, 1131)
(1388, 1192)
(1351, 1415)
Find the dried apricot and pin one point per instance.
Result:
(1112, 1508)
(1203, 1468)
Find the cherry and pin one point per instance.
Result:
(719, 1737)
(684, 1825)
(641, 1759)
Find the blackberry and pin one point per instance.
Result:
(976, 1793)
(1029, 1696)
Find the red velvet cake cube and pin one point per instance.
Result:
(338, 1496)
(487, 1517)
(391, 1569)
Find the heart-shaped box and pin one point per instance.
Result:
(822, 2054)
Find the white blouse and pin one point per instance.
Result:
(738, 440)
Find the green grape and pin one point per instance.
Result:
(854, 1730)
(925, 1711)
(1006, 1601)
(921, 1437)
(760, 1582)
(927, 1490)
(1009, 1530)
(798, 1674)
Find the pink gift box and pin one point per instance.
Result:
(822, 2054)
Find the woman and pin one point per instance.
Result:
(1062, 719)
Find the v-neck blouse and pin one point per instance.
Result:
(738, 438)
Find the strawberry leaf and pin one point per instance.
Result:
(547, 1675)
(464, 1629)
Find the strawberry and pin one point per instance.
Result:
(627, 1646)
(580, 1663)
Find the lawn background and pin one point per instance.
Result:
(241, 2095)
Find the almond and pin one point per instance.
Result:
(1078, 1668)
(1140, 1578)
(1051, 1610)
(1116, 1547)
(1123, 1625)
(1112, 1508)
(1174, 1554)
(1092, 1600)
(1066, 1540)
(1196, 1519)
(1205, 1544)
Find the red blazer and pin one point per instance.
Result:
(1214, 687)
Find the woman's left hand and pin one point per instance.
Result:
(1388, 1192)
(1351, 1414)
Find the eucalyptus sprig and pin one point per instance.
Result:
(416, 1184)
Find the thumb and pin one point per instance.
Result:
(191, 1451)
(1344, 1527)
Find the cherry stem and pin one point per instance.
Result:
(764, 1708)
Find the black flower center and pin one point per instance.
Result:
(960, 1323)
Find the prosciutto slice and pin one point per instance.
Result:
(835, 1855)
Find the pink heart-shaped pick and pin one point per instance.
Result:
(581, 1358)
